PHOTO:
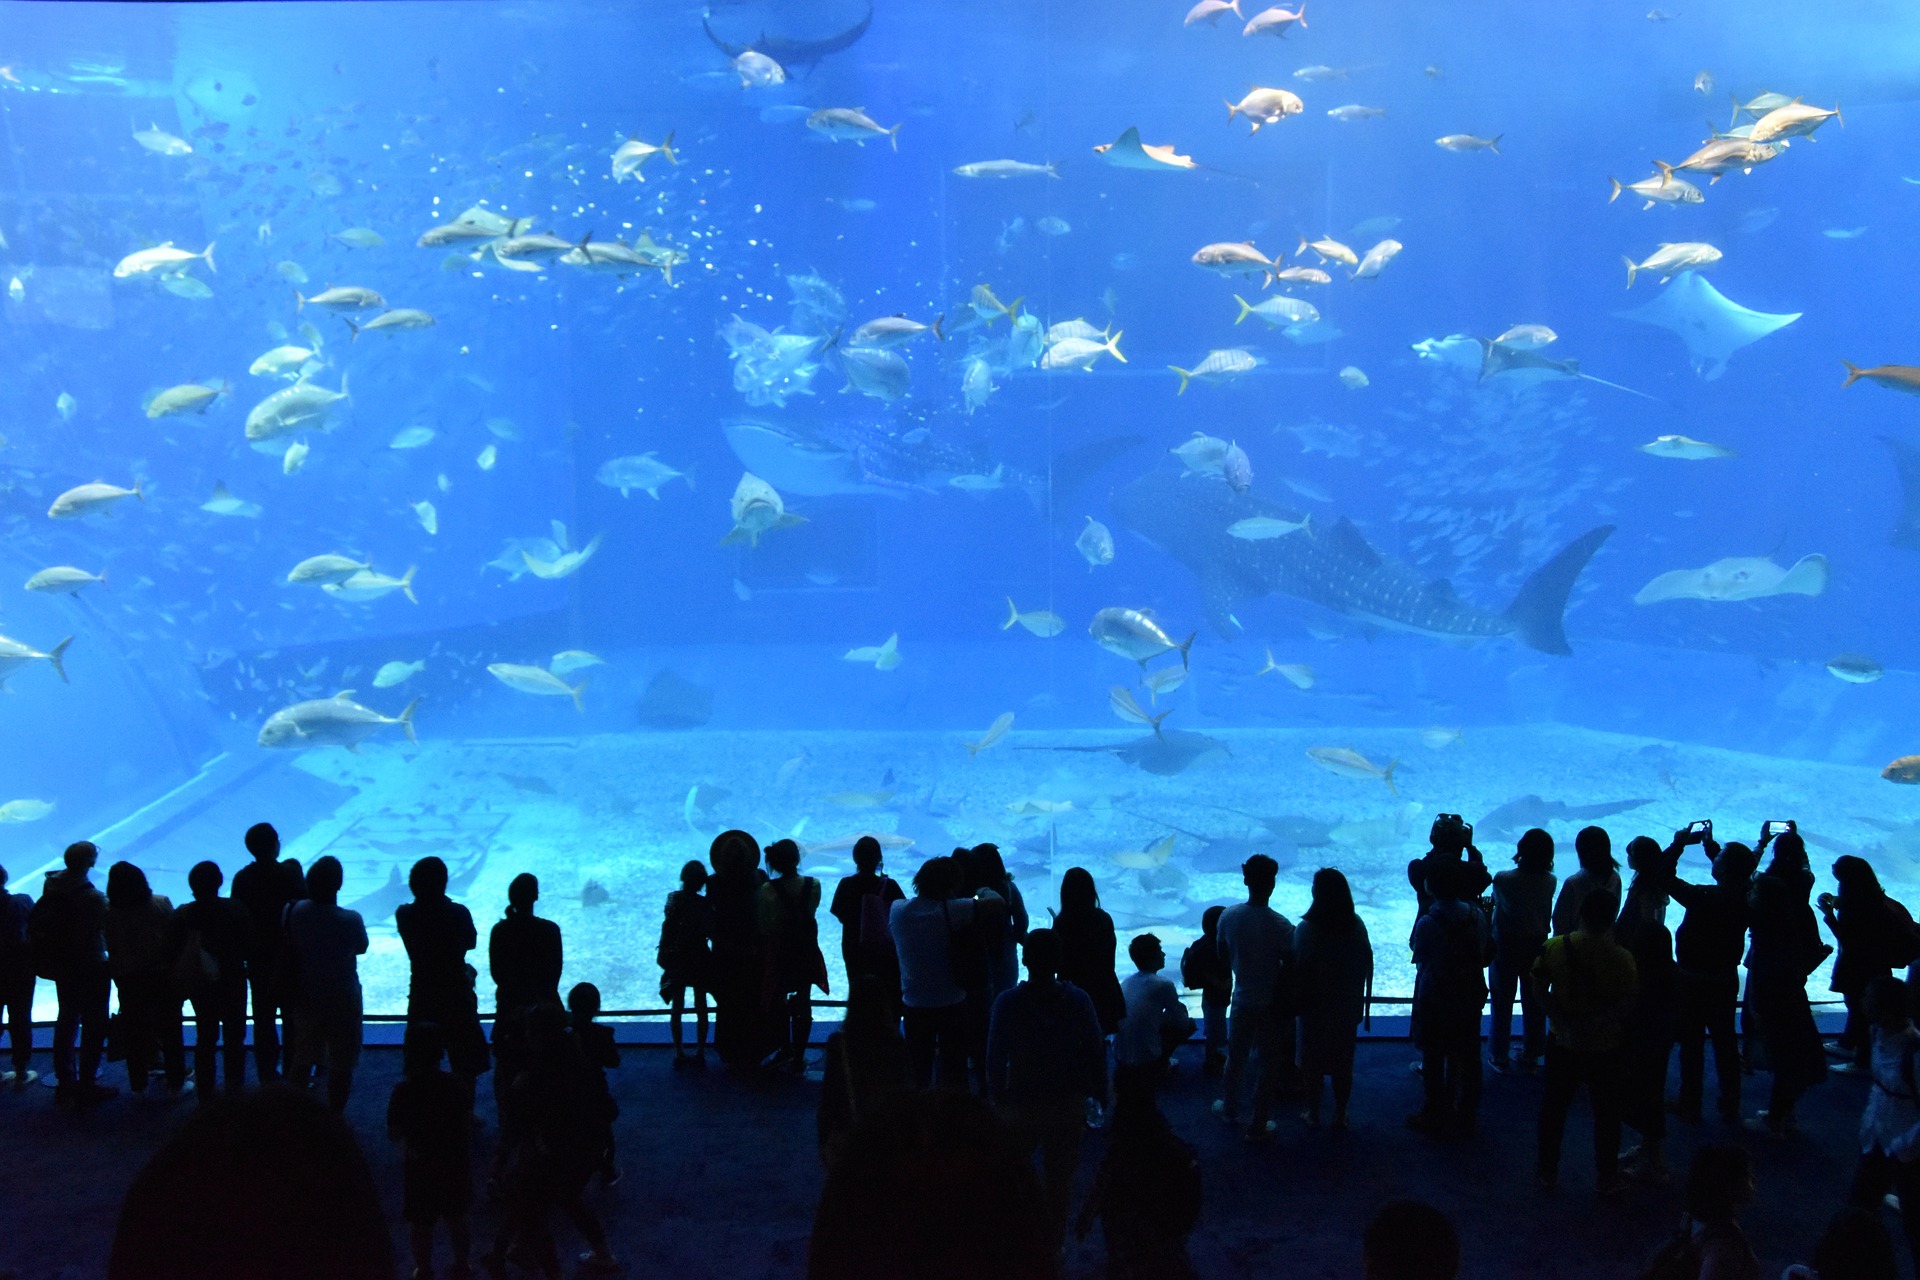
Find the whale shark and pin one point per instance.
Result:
(1332, 565)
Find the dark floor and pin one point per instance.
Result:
(722, 1176)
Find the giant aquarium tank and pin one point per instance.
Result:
(548, 434)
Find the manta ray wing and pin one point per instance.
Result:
(1712, 325)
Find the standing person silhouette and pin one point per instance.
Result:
(788, 907)
(321, 983)
(861, 903)
(264, 888)
(1256, 942)
(17, 981)
(209, 950)
(438, 933)
(1522, 922)
(68, 933)
(1334, 960)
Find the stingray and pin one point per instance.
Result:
(1738, 578)
(674, 702)
(788, 51)
(1712, 326)
(1166, 753)
(1906, 460)
(1498, 358)
(1128, 152)
(1308, 833)
(1516, 816)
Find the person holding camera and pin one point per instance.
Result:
(1785, 949)
(1451, 845)
(1707, 949)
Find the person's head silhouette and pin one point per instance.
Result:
(80, 856)
(522, 892)
(1259, 873)
(205, 880)
(428, 879)
(1042, 955)
(324, 879)
(866, 855)
(263, 842)
(1534, 851)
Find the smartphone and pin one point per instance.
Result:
(1774, 826)
(1700, 828)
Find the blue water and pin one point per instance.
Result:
(305, 122)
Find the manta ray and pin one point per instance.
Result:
(1333, 565)
(1712, 326)
(787, 51)
(1166, 753)
(1738, 578)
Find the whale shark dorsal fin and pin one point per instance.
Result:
(1348, 540)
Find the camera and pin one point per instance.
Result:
(1698, 832)
(1451, 828)
(1777, 826)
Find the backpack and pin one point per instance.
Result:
(1903, 939)
(1680, 1258)
(195, 971)
(13, 929)
(49, 935)
(876, 925)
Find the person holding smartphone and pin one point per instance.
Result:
(1707, 948)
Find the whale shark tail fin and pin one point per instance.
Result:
(1539, 610)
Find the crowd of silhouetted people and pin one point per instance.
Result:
(981, 1042)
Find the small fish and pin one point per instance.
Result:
(1275, 22)
(1527, 337)
(325, 570)
(1095, 543)
(995, 731)
(1439, 738)
(1661, 189)
(1374, 260)
(1349, 763)
(25, 810)
(393, 673)
(1298, 674)
(758, 71)
(1844, 233)
(1007, 169)
(1266, 106)
(86, 499)
(1703, 83)
(162, 143)
(359, 238)
(1229, 258)
(1263, 528)
(851, 124)
(66, 406)
(488, 456)
(295, 457)
(16, 290)
(1353, 378)
(537, 681)
(884, 657)
(1041, 622)
(411, 438)
(1219, 366)
(1791, 120)
(1686, 448)
(1301, 275)
(1124, 705)
(65, 580)
(1209, 11)
(1133, 634)
(568, 661)
(191, 397)
(1855, 668)
(1053, 226)
(860, 799)
(186, 286)
(1669, 260)
(1165, 680)
(428, 517)
(1327, 249)
(1894, 377)
(1354, 111)
(1279, 310)
(1461, 143)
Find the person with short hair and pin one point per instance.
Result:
(1587, 986)
(438, 933)
(1046, 1056)
(324, 943)
(1451, 945)
(265, 888)
(1256, 942)
(68, 933)
(862, 903)
(17, 981)
(1157, 1021)
(1202, 969)
(428, 1113)
(209, 950)
(1599, 872)
(1706, 950)
(1410, 1240)
(1522, 923)
(602, 1054)
(685, 957)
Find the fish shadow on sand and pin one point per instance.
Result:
(1514, 817)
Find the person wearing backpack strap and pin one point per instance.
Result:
(1588, 984)
(17, 981)
(1890, 1125)
(68, 933)
(1862, 919)
(208, 944)
(862, 903)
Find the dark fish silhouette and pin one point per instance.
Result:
(1516, 816)
(1333, 566)
(788, 52)
(1166, 753)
